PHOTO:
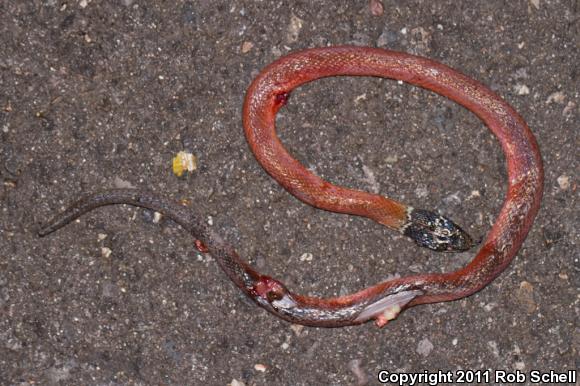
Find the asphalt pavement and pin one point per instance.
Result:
(103, 94)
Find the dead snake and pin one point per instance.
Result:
(384, 301)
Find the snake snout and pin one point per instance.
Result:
(431, 230)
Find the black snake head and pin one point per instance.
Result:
(431, 230)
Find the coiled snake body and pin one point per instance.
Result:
(384, 301)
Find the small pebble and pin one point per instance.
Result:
(557, 97)
(521, 89)
(106, 252)
(294, 29)
(452, 199)
(306, 257)
(489, 307)
(246, 47)
(564, 182)
(360, 97)
(120, 183)
(276, 52)
(376, 7)
(424, 347)
(260, 367)
(475, 194)
(569, 109)
(297, 329)
(525, 294)
(421, 191)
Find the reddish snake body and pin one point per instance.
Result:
(384, 301)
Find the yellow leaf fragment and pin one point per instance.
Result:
(184, 162)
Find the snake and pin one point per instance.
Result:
(384, 301)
